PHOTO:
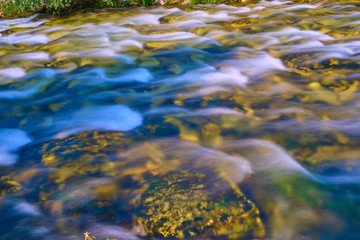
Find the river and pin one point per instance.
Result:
(187, 122)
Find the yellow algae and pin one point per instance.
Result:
(8, 185)
(179, 100)
(192, 210)
(48, 160)
(160, 45)
(341, 138)
(333, 153)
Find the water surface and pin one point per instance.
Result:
(100, 112)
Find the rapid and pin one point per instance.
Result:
(193, 122)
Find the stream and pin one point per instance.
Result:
(183, 122)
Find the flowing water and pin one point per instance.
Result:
(194, 122)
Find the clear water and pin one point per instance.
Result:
(263, 98)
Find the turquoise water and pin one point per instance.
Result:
(193, 122)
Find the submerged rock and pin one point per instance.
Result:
(180, 205)
(166, 188)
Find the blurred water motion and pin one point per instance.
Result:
(194, 122)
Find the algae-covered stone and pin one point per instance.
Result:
(165, 189)
(182, 205)
(302, 61)
(317, 61)
(60, 152)
(83, 172)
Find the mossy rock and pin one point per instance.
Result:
(185, 204)
(143, 186)
(83, 147)
(309, 62)
(302, 61)
(82, 174)
(94, 146)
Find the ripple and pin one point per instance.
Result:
(264, 97)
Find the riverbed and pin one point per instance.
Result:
(186, 122)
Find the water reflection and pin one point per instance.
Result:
(197, 122)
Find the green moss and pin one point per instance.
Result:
(22, 8)
(19, 8)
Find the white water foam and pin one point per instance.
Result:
(10, 141)
(31, 39)
(143, 19)
(5, 24)
(216, 111)
(292, 31)
(209, 76)
(208, 90)
(126, 44)
(11, 73)
(27, 208)
(165, 37)
(265, 156)
(108, 117)
(39, 56)
(206, 17)
(97, 76)
(250, 64)
(186, 25)
(190, 156)
(273, 3)
(110, 231)
(299, 6)
(226, 76)
(243, 10)
(30, 24)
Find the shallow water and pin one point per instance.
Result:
(98, 109)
